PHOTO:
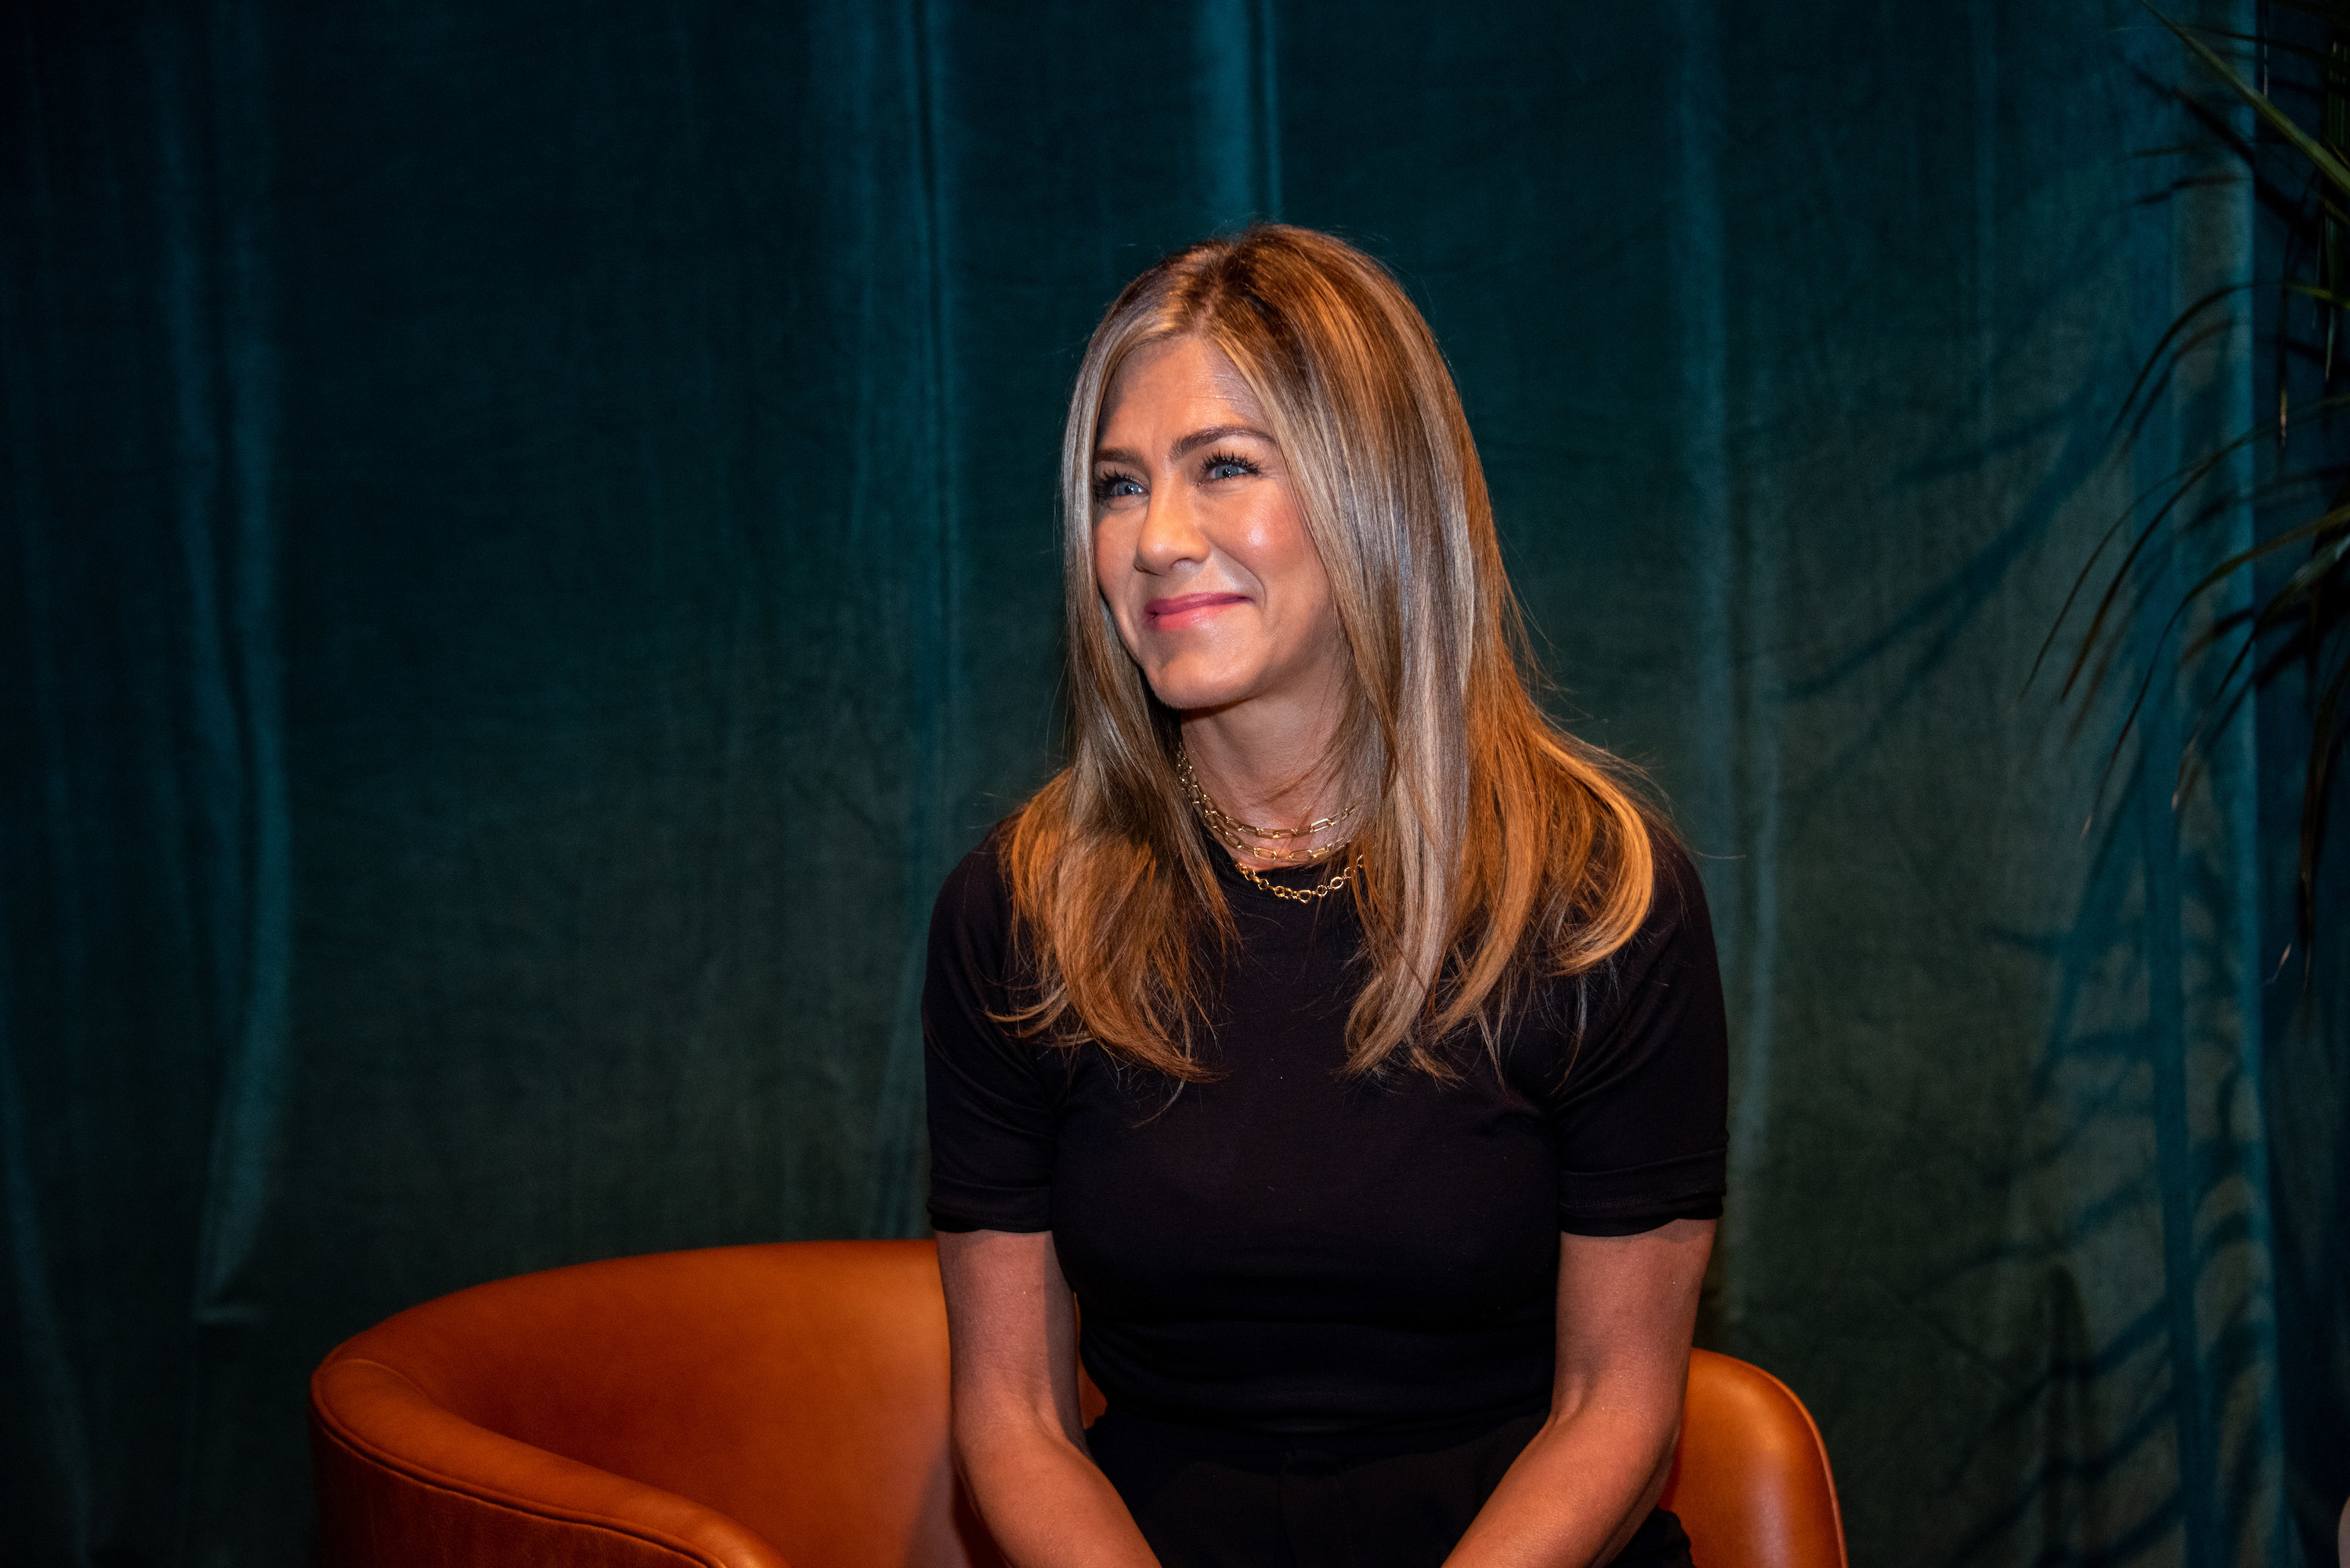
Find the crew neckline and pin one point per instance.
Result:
(1228, 872)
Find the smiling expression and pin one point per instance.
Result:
(1200, 547)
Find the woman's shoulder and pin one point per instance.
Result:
(972, 958)
(1676, 919)
(1672, 948)
(977, 893)
(1674, 930)
(1676, 892)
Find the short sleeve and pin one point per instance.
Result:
(992, 1125)
(1642, 1113)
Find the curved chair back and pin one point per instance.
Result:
(736, 1406)
(787, 1404)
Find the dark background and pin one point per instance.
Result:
(526, 548)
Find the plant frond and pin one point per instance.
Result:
(2325, 739)
(2323, 296)
(2328, 553)
(2334, 10)
(2186, 482)
(2276, 45)
(2154, 355)
(2337, 172)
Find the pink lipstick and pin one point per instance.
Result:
(1188, 610)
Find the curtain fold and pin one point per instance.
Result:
(530, 548)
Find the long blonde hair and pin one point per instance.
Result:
(1497, 847)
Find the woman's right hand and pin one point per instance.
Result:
(1019, 1437)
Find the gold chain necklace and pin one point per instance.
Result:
(1233, 833)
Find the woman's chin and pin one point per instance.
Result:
(1201, 699)
(1196, 695)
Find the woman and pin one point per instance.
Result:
(1346, 1035)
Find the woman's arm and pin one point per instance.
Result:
(1019, 1440)
(1627, 1309)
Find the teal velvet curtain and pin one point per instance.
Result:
(528, 549)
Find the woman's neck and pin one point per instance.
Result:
(1271, 769)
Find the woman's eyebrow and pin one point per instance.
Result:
(1213, 433)
(1187, 445)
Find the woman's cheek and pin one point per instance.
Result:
(1108, 583)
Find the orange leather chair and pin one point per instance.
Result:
(759, 1406)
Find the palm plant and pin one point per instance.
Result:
(2302, 619)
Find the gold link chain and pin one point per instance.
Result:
(1228, 830)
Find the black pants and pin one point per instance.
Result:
(1206, 1502)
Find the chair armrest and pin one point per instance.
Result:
(1751, 1478)
(466, 1496)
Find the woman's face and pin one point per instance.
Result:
(1200, 547)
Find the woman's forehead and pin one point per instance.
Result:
(1178, 380)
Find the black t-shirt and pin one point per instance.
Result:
(1282, 1252)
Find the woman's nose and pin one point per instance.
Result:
(1171, 532)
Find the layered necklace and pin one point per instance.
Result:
(1280, 844)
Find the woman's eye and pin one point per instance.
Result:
(1224, 467)
(1116, 487)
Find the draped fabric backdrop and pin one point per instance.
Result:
(529, 550)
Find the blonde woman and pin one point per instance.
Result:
(1347, 1036)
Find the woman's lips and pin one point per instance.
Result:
(1187, 609)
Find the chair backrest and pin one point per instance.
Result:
(785, 1399)
(754, 1406)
